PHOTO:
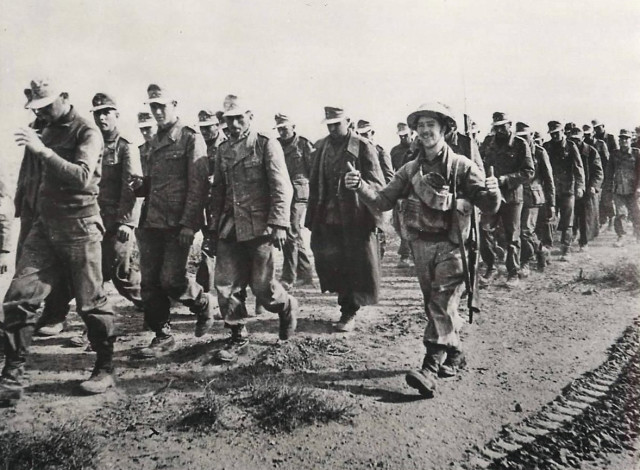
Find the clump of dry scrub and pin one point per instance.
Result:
(70, 446)
(280, 406)
(206, 414)
(622, 273)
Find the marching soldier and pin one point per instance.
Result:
(568, 178)
(440, 187)
(210, 130)
(148, 129)
(538, 193)
(586, 208)
(119, 208)
(174, 186)
(398, 157)
(343, 229)
(622, 180)
(250, 213)
(297, 155)
(510, 158)
(64, 244)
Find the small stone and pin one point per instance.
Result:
(518, 408)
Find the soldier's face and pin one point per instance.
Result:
(148, 132)
(577, 139)
(338, 129)
(625, 143)
(106, 119)
(54, 111)
(238, 125)
(209, 132)
(164, 114)
(429, 130)
(286, 131)
(599, 130)
(404, 138)
(556, 136)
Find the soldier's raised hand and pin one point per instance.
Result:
(352, 179)
(28, 137)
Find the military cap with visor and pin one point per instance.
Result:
(625, 134)
(207, 118)
(102, 101)
(554, 126)
(576, 132)
(41, 93)
(145, 119)
(363, 126)
(233, 106)
(436, 109)
(587, 129)
(500, 118)
(281, 120)
(403, 129)
(159, 95)
(333, 114)
(522, 129)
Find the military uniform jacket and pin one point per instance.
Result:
(297, 155)
(512, 163)
(176, 180)
(251, 188)
(385, 163)
(592, 166)
(540, 189)
(624, 172)
(352, 210)
(398, 155)
(118, 204)
(568, 173)
(466, 146)
(212, 151)
(69, 187)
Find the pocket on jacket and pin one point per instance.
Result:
(253, 169)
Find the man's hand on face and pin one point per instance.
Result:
(28, 137)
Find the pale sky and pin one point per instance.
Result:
(536, 60)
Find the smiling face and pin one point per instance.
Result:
(430, 131)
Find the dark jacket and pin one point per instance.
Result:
(71, 176)
(592, 166)
(512, 164)
(352, 259)
(466, 146)
(398, 155)
(624, 172)
(118, 203)
(29, 178)
(540, 189)
(251, 188)
(176, 179)
(297, 155)
(568, 173)
(385, 163)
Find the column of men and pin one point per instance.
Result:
(85, 194)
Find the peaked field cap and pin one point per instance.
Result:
(576, 132)
(587, 129)
(537, 135)
(221, 122)
(158, 94)
(403, 129)
(554, 126)
(145, 119)
(207, 118)
(41, 93)
(363, 126)
(568, 126)
(500, 118)
(435, 109)
(102, 101)
(522, 128)
(596, 122)
(625, 134)
(281, 120)
(333, 114)
(233, 106)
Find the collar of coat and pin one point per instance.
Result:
(171, 136)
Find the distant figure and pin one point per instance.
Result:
(398, 159)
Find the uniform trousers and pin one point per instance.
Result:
(296, 259)
(627, 204)
(528, 237)
(509, 214)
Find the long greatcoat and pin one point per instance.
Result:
(356, 261)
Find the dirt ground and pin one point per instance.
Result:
(524, 347)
